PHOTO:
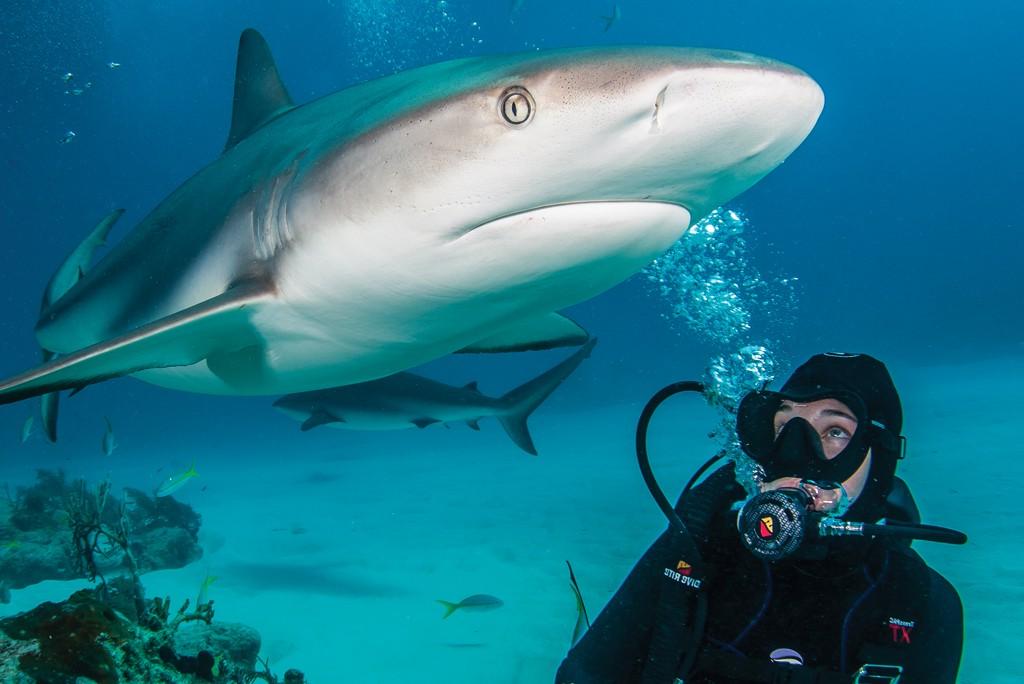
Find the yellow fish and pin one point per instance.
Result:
(176, 482)
(207, 582)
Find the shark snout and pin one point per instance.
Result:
(723, 126)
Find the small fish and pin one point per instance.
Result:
(215, 669)
(114, 65)
(67, 77)
(26, 428)
(207, 582)
(74, 91)
(176, 482)
(476, 602)
(68, 137)
(615, 16)
(582, 619)
(109, 441)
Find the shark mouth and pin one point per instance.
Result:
(582, 214)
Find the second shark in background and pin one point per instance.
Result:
(408, 400)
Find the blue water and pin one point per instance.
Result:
(895, 226)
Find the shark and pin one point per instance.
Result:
(455, 207)
(406, 400)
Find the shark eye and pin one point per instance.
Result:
(516, 106)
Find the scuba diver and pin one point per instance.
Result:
(776, 569)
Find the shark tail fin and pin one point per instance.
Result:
(181, 339)
(523, 400)
(449, 608)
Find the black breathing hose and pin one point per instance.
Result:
(923, 532)
(682, 612)
(641, 448)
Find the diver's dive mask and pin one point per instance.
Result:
(797, 450)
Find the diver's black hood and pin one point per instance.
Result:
(864, 384)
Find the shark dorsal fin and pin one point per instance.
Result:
(260, 94)
(471, 386)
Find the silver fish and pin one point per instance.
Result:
(26, 428)
(109, 441)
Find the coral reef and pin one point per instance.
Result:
(38, 533)
(112, 633)
(87, 637)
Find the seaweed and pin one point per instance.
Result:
(96, 532)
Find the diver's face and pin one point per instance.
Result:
(831, 419)
(835, 424)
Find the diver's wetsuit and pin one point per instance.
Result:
(867, 602)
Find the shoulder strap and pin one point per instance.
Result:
(681, 609)
(888, 632)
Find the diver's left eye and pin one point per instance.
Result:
(516, 106)
(837, 433)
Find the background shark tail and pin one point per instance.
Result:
(523, 400)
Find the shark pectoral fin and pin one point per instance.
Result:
(180, 339)
(242, 369)
(540, 332)
(474, 424)
(318, 418)
(260, 94)
(424, 422)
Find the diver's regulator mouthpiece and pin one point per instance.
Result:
(774, 524)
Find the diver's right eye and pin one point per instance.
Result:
(516, 106)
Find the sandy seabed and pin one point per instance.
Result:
(336, 546)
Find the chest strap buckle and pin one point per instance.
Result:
(878, 674)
